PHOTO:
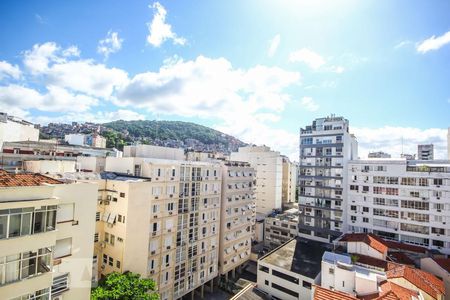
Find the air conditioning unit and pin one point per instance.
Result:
(153, 233)
(170, 212)
(153, 252)
(152, 272)
(155, 216)
(103, 244)
(156, 197)
(171, 195)
(156, 178)
(102, 266)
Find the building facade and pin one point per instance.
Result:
(46, 237)
(425, 152)
(289, 183)
(269, 175)
(280, 228)
(180, 202)
(237, 217)
(397, 199)
(13, 129)
(325, 148)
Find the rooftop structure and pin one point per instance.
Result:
(379, 154)
(14, 129)
(425, 152)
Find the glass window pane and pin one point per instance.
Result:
(26, 224)
(39, 221)
(44, 263)
(12, 271)
(3, 226)
(51, 220)
(14, 225)
(29, 267)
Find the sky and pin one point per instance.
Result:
(255, 69)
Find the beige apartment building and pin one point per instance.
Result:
(269, 174)
(46, 237)
(161, 221)
(289, 183)
(237, 216)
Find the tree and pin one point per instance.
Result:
(127, 286)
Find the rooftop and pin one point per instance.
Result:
(13, 180)
(444, 263)
(122, 177)
(370, 239)
(423, 280)
(298, 255)
(321, 293)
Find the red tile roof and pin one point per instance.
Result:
(444, 263)
(321, 293)
(425, 281)
(12, 180)
(371, 261)
(405, 247)
(401, 258)
(370, 239)
(390, 290)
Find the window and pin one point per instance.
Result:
(63, 248)
(365, 209)
(173, 172)
(114, 199)
(365, 220)
(97, 216)
(110, 261)
(105, 258)
(113, 238)
(106, 237)
(331, 271)
(306, 284)
(284, 290)
(266, 282)
(353, 218)
(170, 206)
(95, 237)
(25, 221)
(122, 195)
(117, 264)
(119, 239)
(119, 218)
(437, 181)
(285, 276)
(353, 207)
(264, 269)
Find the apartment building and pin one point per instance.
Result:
(94, 140)
(289, 182)
(280, 228)
(46, 237)
(237, 216)
(425, 152)
(160, 218)
(401, 200)
(13, 129)
(290, 271)
(151, 151)
(325, 148)
(269, 175)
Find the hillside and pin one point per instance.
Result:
(174, 134)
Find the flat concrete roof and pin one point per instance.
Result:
(299, 255)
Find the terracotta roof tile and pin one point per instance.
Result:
(321, 293)
(370, 239)
(12, 180)
(425, 281)
(444, 263)
(405, 247)
(390, 290)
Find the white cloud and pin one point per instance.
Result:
(433, 43)
(71, 51)
(309, 104)
(389, 139)
(314, 61)
(273, 45)
(8, 70)
(309, 57)
(56, 99)
(159, 30)
(81, 76)
(208, 87)
(110, 44)
(402, 44)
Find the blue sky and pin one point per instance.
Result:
(256, 69)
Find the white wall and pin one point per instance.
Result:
(49, 166)
(150, 151)
(75, 139)
(14, 132)
(364, 249)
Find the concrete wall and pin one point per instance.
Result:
(49, 166)
(150, 151)
(13, 132)
(364, 249)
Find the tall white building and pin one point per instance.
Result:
(402, 200)
(237, 217)
(46, 237)
(269, 175)
(425, 152)
(448, 143)
(325, 148)
(13, 129)
(289, 185)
